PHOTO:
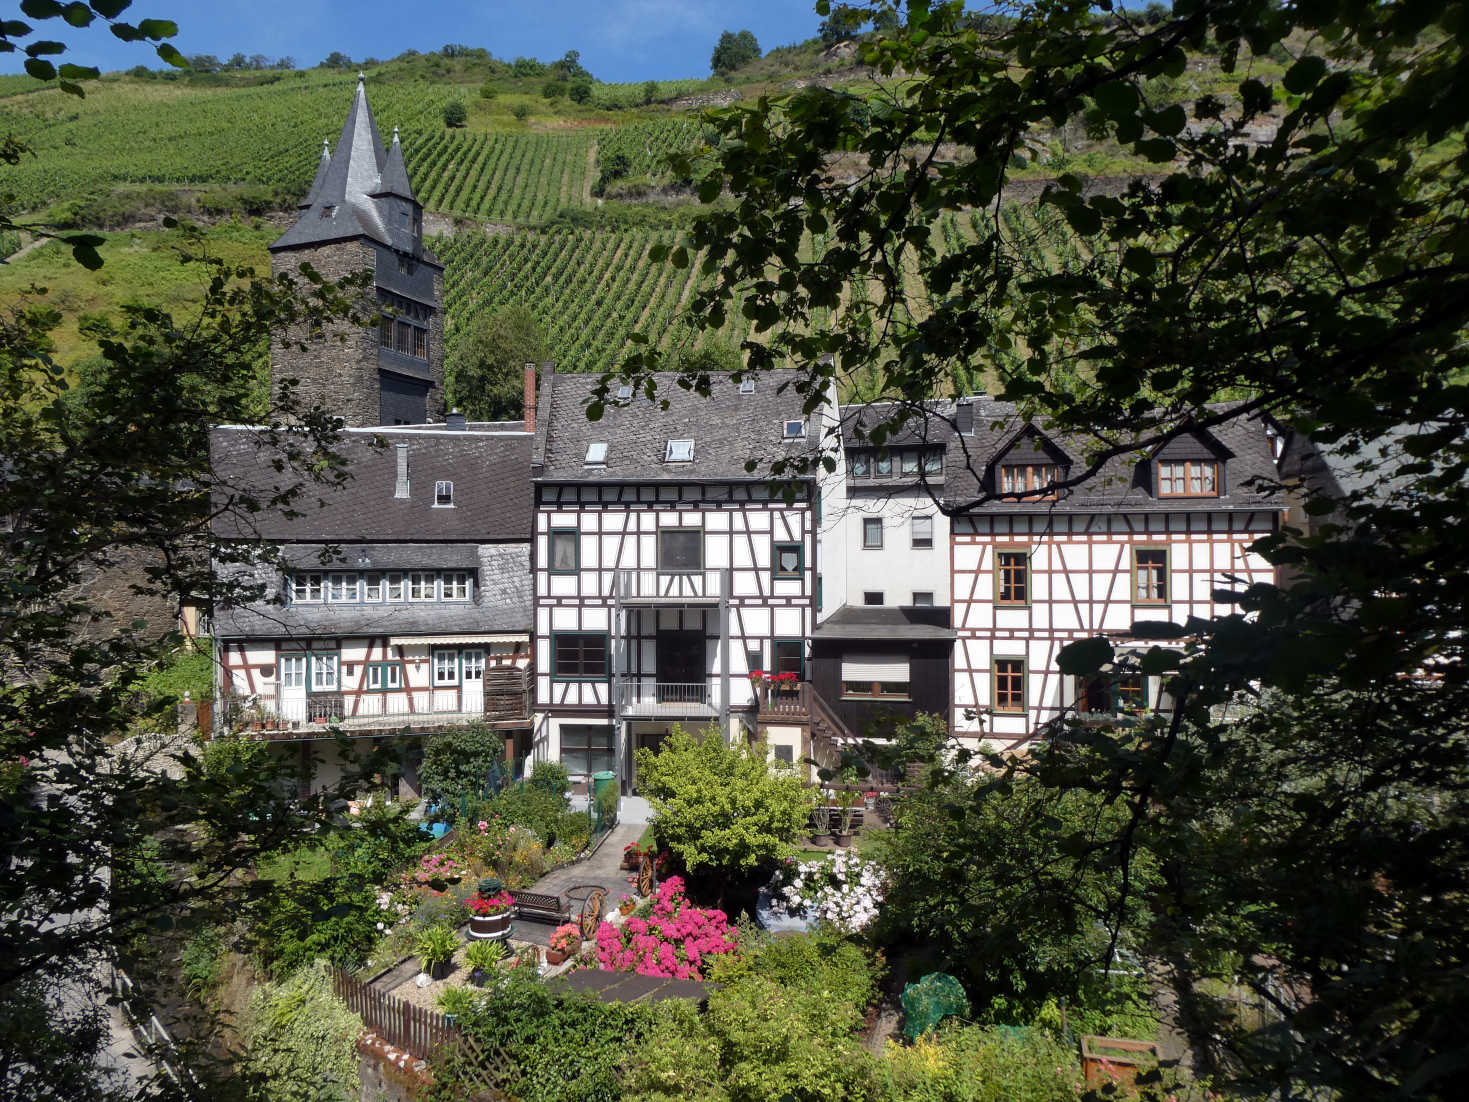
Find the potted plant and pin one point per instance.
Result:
(632, 856)
(482, 958)
(489, 911)
(434, 948)
(565, 942)
(455, 1002)
(846, 800)
(625, 904)
(820, 825)
(869, 800)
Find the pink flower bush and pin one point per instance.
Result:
(674, 941)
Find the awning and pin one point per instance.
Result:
(462, 639)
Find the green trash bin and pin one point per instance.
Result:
(605, 781)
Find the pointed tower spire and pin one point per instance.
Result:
(316, 181)
(395, 173)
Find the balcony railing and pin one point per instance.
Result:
(669, 586)
(647, 696)
(505, 696)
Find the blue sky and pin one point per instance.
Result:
(619, 40)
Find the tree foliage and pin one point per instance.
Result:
(732, 51)
(720, 807)
(455, 113)
(457, 764)
(300, 1042)
(485, 369)
(1313, 275)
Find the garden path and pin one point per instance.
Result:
(603, 868)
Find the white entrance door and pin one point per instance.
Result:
(292, 701)
(473, 685)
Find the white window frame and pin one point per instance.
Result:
(793, 429)
(321, 664)
(292, 671)
(384, 676)
(443, 494)
(472, 664)
(341, 588)
(423, 586)
(307, 589)
(458, 586)
(440, 669)
(926, 594)
(372, 587)
(393, 586)
(679, 451)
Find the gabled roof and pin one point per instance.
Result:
(1029, 443)
(490, 472)
(727, 428)
(1121, 484)
(862, 622)
(341, 204)
(932, 423)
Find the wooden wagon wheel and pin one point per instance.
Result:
(591, 914)
(645, 876)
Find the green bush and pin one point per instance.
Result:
(820, 961)
(552, 777)
(199, 963)
(455, 113)
(456, 766)
(299, 1042)
(981, 1064)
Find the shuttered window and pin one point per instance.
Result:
(886, 675)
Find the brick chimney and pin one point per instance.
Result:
(530, 396)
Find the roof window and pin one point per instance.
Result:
(596, 454)
(624, 392)
(679, 451)
(747, 386)
(443, 495)
(794, 429)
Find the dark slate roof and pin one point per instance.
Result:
(931, 424)
(394, 179)
(490, 472)
(728, 428)
(341, 204)
(502, 600)
(320, 178)
(857, 622)
(381, 556)
(1122, 483)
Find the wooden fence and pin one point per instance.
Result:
(413, 1029)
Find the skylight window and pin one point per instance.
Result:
(794, 430)
(747, 386)
(679, 451)
(596, 454)
(624, 392)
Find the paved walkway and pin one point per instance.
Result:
(603, 869)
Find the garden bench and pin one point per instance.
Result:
(538, 907)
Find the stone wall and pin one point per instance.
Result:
(338, 368)
(387, 1074)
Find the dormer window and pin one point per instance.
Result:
(1188, 478)
(596, 454)
(1028, 478)
(861, 465)
(679, 451)
(329, 211)
(443, 495)
(794, 430)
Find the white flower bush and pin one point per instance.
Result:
(843, 891)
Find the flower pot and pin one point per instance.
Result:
(440, 969)
(556, 956)
(485, 927)
(821, 839)
(843, 840)
(625, 908)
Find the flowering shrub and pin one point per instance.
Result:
(760, 677)
(567, 938)
(437, 868)
(494, 905)
(844, 891)
(675, 940)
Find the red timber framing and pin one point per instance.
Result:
(1081, 583)
(381, 683)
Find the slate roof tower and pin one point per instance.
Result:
(361, 213)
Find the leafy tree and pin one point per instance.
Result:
(487, 90)
(527, 67)
(336, 60)
(455, 113)
(1315, 279)
(579, 91)
(650, 91)
(721, 808)
(732, 51)
(457, 764)
(553, 89)
(486, 362)
(520, 111)
(569, 68)
(300, 1042)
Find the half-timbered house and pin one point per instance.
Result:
(1150, 538)
(667, 571)
(396, 603)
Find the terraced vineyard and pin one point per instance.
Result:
(646, 145)
(590, 288)
(503, 177)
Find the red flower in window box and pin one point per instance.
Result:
(494, 905)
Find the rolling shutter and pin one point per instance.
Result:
(875, 667)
